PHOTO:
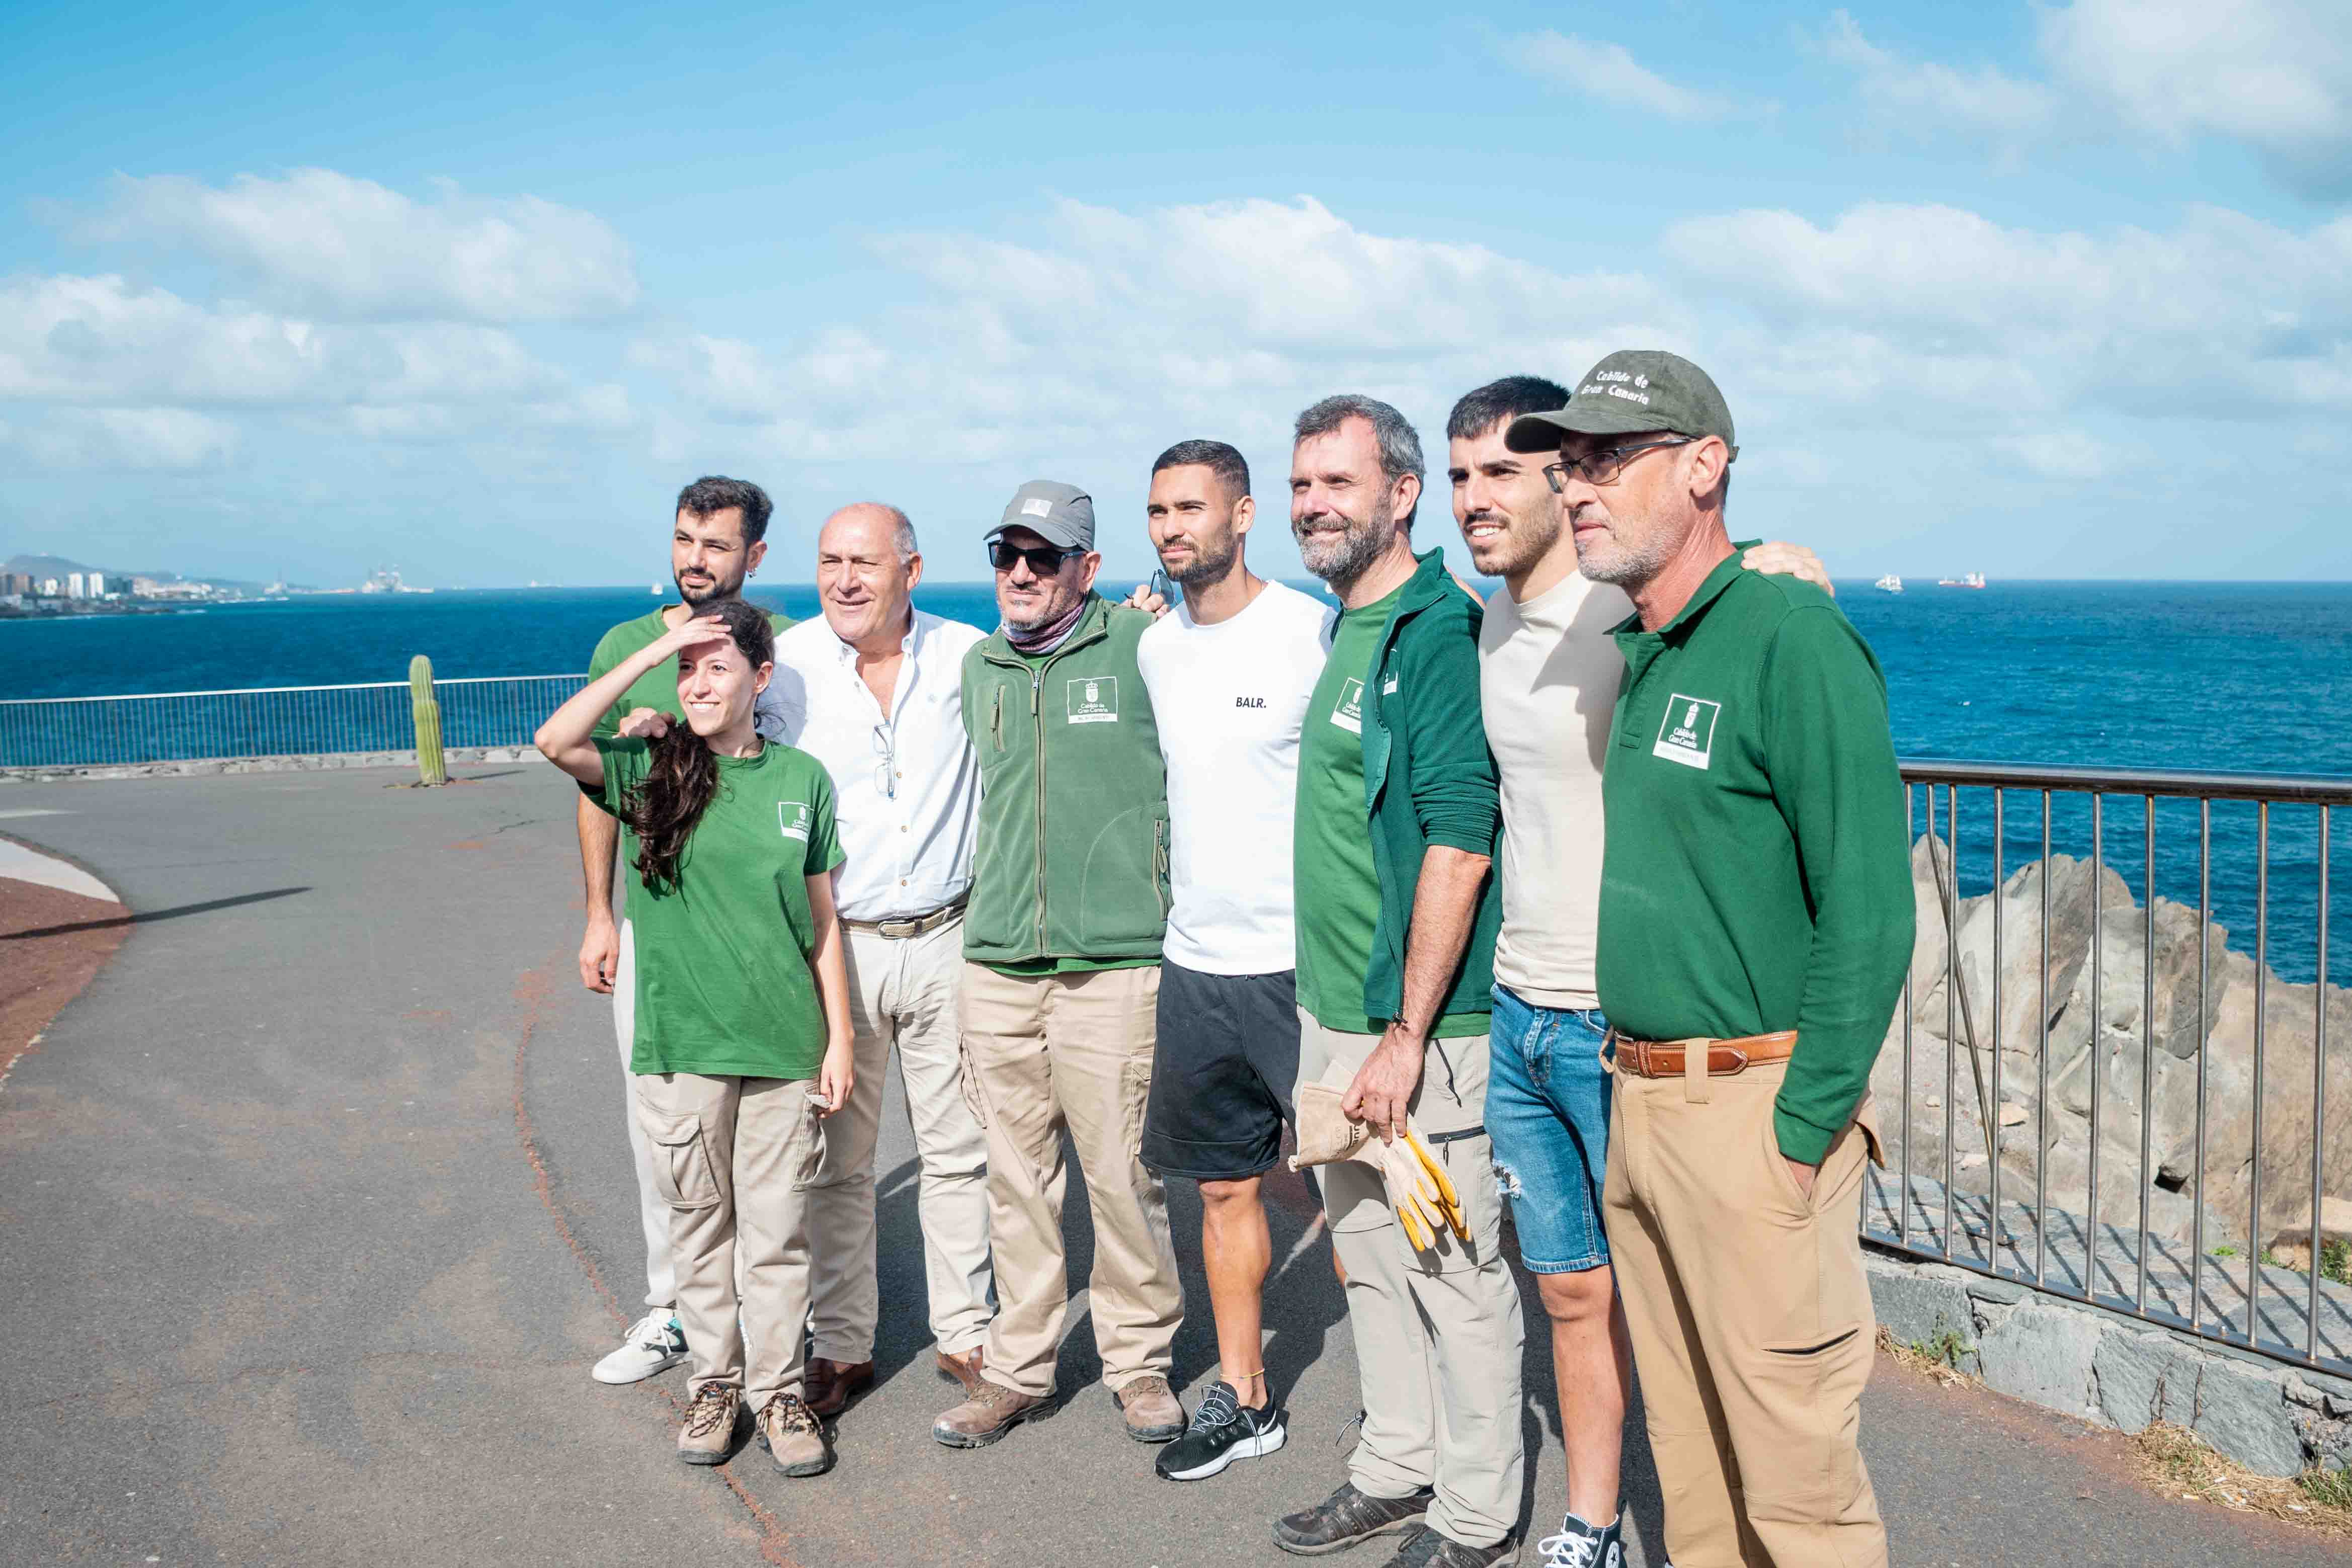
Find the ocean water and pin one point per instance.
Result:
(2248, 677)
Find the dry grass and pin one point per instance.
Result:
(2178, 1463)
(1939, 1361)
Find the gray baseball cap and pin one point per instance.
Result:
(1059, 514)
(1632, 390)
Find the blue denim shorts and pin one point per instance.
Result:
(1548, 1113)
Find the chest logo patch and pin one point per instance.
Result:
(1686, 733)
(1348, 713)
(1093, 700)
(792, 818)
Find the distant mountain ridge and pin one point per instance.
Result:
(60, 567)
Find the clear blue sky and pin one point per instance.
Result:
(2059, 290)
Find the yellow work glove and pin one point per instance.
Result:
(1419, 1191)
(1326, 1133)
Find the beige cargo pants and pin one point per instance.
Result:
(1438, 1333)
(1043, 1053)
(903, 992)
(732, 1160)
(1751, 1323)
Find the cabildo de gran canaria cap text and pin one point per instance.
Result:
(1631, 391)
(1059, 514)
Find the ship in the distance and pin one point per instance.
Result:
(1890, 583)
(1965, 580)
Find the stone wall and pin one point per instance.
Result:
(2114, 1370)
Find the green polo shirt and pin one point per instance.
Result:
(1757, 875)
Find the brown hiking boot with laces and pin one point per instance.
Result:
(709, 1435)
(793, 1437)
(992, 1411)
(1153, 1415)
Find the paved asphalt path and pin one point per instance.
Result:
(315, 1209)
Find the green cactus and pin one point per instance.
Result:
(431, 768)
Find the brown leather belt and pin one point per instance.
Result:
(913, 926)
(1667, 1057)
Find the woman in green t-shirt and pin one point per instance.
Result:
(742, 1040)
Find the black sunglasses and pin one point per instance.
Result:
(1044, 560)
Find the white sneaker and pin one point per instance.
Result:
(654, 1343)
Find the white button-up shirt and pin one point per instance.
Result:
(906, 782)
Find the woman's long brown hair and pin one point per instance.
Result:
(684, 774)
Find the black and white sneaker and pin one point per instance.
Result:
(1583, 1545)
(1222, 1431)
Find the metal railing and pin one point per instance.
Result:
(270, 721)
(2172, 1230)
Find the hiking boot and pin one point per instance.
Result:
(1426, 1548)
(709, 1435)
(963, 1367)
(793, 1437)
(1222, 1431)
(654, 1343)
(987, 1416)
(1583, 1545)
(1347, 1517)
(1153, 1415)
(832, 1385)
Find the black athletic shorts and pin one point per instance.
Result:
(1220, 1073)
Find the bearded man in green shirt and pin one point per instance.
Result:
(1397, 910)
(1756, 917)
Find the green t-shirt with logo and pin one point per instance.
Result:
(1757, 875)
(723, 983)
(1337, 887)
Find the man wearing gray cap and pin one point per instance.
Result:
(1062, 939)
(1754, 920)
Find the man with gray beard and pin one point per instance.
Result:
(1397, 913)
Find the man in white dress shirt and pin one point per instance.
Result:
(873, 690)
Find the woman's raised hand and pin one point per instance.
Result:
(694, 632)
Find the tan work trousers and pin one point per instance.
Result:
(903, 991)
(1438, 1333)
(733, 1159)
(1043, 1054)
(1751, 1323)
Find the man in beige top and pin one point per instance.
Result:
(1548, 678)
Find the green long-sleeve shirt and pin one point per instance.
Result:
(1755, 876)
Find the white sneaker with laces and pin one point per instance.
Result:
(654, 1343)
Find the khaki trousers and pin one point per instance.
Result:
(653, 1214)
(1751, 1323)
(733, 1159)
(903, 992)
(1072, 1053)
(1438, 1333)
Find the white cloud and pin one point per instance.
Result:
(324, 244)
(145, 439)
(1123, 324)
(1927, 98)
(1608, 72)
(2275, 74)
(102, 339)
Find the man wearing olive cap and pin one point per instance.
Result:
(1062, 939)
(1756, 917)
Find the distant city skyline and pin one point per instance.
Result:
(2048, 291)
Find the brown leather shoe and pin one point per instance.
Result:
(963, 1367)
(987, 1416)
(1153, 1415)
(832, 1385)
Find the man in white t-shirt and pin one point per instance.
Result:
(1230, 671)
(1547, 676)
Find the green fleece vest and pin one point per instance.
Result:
(1072, 856)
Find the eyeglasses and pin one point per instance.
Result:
(886, 769)
(1604, 466)
(1044, 560)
